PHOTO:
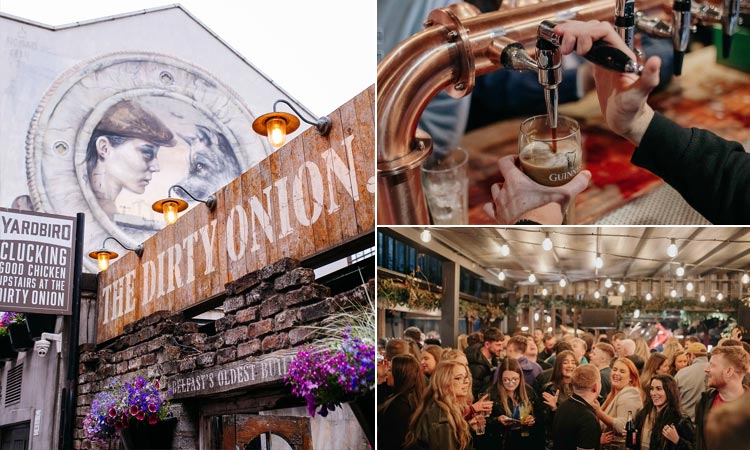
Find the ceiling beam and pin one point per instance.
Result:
(637, 250)
(740, 233)
(410, 236)
(694, 235)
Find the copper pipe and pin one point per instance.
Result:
(436, 59)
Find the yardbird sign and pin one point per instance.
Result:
(37, 252)
(311, 195)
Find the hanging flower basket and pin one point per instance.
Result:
(136, 410)
(142, 436)
(20, 338)
(40, 323)
(6, 350)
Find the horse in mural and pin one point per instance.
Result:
(213, 163)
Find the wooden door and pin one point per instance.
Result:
(253, 432)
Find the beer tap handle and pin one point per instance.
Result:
(612, 58)
(680, 31)
(729, 17)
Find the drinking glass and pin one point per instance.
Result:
(551, 157)
(481, 428)
(446, 187)
(524, 412)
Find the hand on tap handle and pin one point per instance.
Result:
(622, 96)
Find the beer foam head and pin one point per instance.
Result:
(540, 154)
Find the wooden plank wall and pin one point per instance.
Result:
(307, 197)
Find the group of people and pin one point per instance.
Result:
(542, 391)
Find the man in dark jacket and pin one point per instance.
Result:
(483, 360)
(575, 425)
(725, 370)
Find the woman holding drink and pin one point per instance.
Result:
(512, 420)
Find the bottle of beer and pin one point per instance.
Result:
(630, 432)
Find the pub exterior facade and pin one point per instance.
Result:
(250, 263)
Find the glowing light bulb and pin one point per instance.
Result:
(170, 212)
(719, 296)
(501, 275)
(703, 298)
(648, 296)
(276, 128)
(673, 293)
(536, 317)
(426, 236)
(690, 286)
(637, 313)
(548, 319)
(563, 282)
(621, 289)
(608, 283)
(544, 294)
(532, 278)
(102, 261)
(504, 250)
(745, 278)
(547, 243)
(672, 249)
(598, 261)
(680, 271)
(597, 295)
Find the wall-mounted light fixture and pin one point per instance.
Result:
(103, 256)
(172, 206)
(276, 125)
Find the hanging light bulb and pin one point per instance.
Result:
(598, 261)
(544, 294)
(532, 278)
(672, 249)
(563, 282)
(745, 278)
(673, 293)
(548, 319)
(690, 286)
(680, 271)
(607, 283)
(719, 296)
(621, 289)
(547, 243)
(637, 313)
(536, 317)
(703, 298)
(648, 296)
(504, 249)
(426, 236)
(501, 275)
(597, 294)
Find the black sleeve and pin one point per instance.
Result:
(711, 173)
(588, 434)
(686, 430)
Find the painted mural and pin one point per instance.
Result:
(111, 136)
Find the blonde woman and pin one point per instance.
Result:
(624, 396)
(641, 348)
(671, 347)
(438, 423)
(656, 364)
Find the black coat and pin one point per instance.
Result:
(481, 370)
(499, 437)
(682, 423)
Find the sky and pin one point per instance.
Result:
(328, 47)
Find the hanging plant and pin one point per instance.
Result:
(407, 293)
(493, 308)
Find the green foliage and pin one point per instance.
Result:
(407, 293)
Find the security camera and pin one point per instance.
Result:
(42, 345)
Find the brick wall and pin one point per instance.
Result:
(264, 312)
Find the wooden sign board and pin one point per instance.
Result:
(309, 196)
(230, 377)
(37, 252)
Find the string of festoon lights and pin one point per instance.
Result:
(599, 259)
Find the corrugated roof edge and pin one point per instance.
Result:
(158, 9)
